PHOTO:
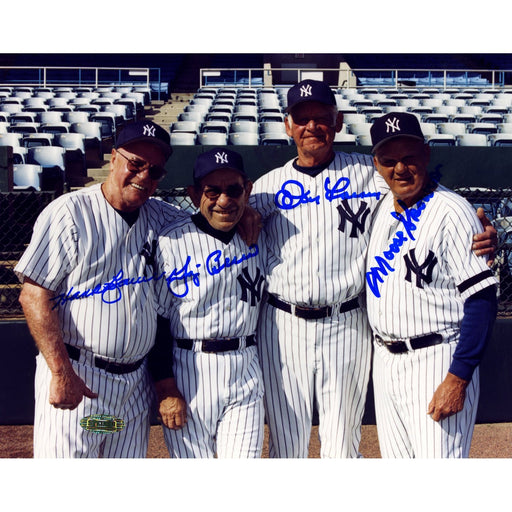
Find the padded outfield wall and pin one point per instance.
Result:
(458, 167)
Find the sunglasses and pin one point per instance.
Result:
(232, 191)
(156, 172)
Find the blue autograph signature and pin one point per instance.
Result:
(115, 284)
(214, 265)
(409, 218)
(293, 194)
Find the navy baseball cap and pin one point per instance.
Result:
(218, 158)
(145, 131)
(392, 125)
(310, 90)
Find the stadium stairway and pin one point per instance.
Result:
(164, 113)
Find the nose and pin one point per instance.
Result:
(400, 166)
(223, 199)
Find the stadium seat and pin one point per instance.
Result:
(212, 139)
(51, 159)
(500, 139)
(215, 126)
(93, 138)
(75, 159)
(275, 139)
(76, 116)
(23, 117)
(244, 126)
(27, 176)
(271, 127)
(441, 139)
(359, 128)
(50, 116)
(31, 140)
(244, 139)
(364, 140)
(191, 116)
(451, 128)
(11, 139)
(482, 127)
(183, 139)
(345, 138)
(185, 126)
(24, 127)
(472, 139)
(56, 127)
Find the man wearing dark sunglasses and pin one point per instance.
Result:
(88, 297)
(211, 293)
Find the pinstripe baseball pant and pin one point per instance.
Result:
(57, 432)
(404, 385)
(224, 393)
(302, 359)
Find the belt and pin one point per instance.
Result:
(313, 313)
(401, 346)
(220, 345)
(103, 364)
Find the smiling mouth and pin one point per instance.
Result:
(138, 187)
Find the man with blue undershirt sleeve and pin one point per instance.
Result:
(314, 337)
(431, 302)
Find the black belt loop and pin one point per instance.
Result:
(103, 364)
(216, 346)
(313, 313)
(400, 346)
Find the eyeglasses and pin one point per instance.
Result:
(156, 172)
(232, 191)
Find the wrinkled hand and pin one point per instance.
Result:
(448, 398)
(67, 390)
(172, 406)
(486, 242)
(250, 225)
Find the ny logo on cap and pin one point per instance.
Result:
(149, 130)
(221, 158)
(392, 124)
(305, 90)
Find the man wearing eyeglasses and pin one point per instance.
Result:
(88, 298)
(211, 293)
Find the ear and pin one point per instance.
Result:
(287, 126)
(339, 122)
(113, 156)
(248, 189)
(195, 195)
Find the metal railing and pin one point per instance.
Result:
(356, 78)
(65, 76)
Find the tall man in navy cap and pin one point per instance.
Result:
(314, 336)
(212, 293)
(88, 297)
(431, 302)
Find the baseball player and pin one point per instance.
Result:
(314, 338)
(88, 298)
(211, 293)
(431, 302)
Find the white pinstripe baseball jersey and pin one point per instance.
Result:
(100, 269)
(420, 270)
(318, 228)
(224, 285)
(317, 235)
(213, 289)
(433, 267)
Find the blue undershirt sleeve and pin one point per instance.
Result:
(476, 327)
(160, 356)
